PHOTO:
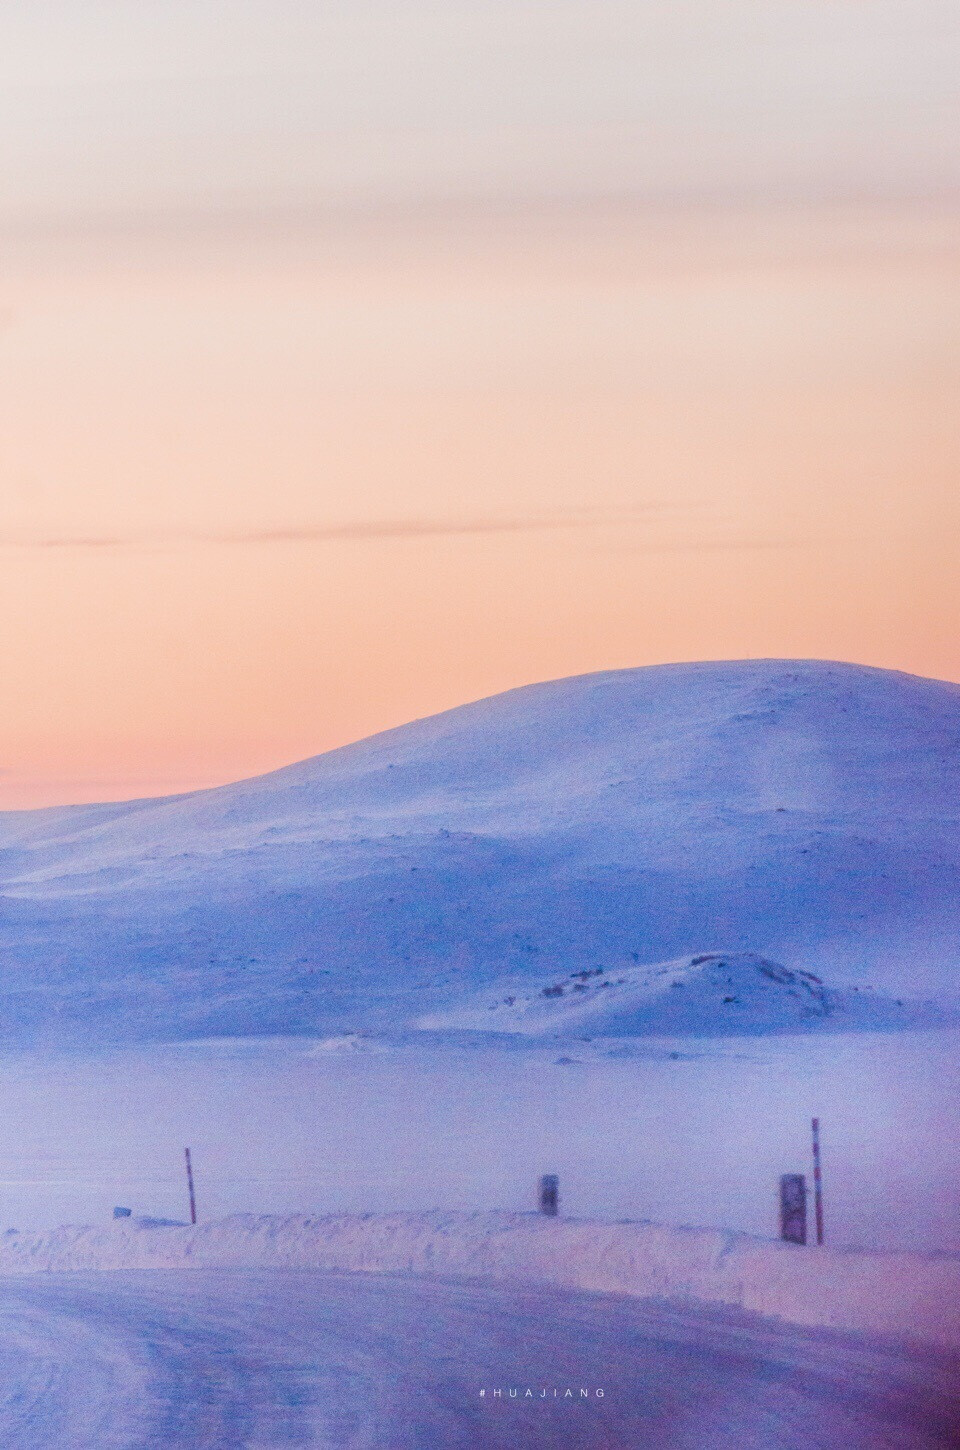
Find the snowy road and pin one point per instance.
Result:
(269, 1359)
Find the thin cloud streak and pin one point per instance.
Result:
(911, 218)
(733, 544)
(372, 531)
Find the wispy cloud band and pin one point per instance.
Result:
(362, 531)
(659, 539)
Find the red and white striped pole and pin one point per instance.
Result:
(193, 1201)
(817, 1181)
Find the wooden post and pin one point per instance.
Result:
(193, 1201)
(817, 1181)
(793, 1208)
(549, 1195)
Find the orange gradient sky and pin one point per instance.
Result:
(353, 365)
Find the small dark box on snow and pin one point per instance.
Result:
(550, 1194)
(793, 1208)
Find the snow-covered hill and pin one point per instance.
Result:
(714, 994)
(803, 812)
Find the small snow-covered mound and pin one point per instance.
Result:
(708, 994)
(907, 1295)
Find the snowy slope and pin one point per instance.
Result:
(801, 811)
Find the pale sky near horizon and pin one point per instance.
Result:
(357, 360)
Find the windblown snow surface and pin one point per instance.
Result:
(802, 812)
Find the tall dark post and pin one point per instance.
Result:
(193, 1201)
(817, 1181)
(549, 1195)
(793, 1208)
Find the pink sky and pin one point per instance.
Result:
(317, 416)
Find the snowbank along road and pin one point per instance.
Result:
(259, 1360)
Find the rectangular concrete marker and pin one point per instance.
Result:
(793, 1208)
(549, 1194)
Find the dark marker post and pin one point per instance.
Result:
(817, 1181)
(193, 1201)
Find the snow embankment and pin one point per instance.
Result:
(906, 1295)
